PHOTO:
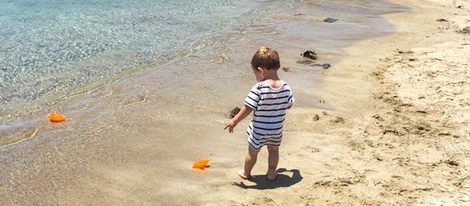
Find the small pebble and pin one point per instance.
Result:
(326, 66)
(310, 54)
(330, 20)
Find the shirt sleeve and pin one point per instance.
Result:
(290, 100)
(253, 98)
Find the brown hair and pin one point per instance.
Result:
(265, 58)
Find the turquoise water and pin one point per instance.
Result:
(51, 46)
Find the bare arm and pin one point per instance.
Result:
(244, 111)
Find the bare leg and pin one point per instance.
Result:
(250, 161)
(273, 160)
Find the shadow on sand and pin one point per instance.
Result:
(283, 180)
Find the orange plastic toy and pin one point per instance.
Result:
(56, 118)
(201, 164)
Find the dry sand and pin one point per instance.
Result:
(389, 126)
(400, 130)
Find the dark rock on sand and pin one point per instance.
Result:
(309, 59)
(322, 65)
(330, 20)
(234, 112)
(442, 20)
(310, 54)
(326, 66)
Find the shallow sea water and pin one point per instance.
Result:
(53, 47)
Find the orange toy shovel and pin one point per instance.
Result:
(201, 164)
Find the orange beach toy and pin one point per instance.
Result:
(201, 164)
(56, 118)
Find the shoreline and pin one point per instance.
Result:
(21, 126)
(344, 157)
(34, 122)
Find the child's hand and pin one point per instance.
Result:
(230, 125)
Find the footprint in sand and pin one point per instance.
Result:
(137, 99)
(311, 149)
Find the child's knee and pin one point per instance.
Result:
(252, 151)
(272, 148)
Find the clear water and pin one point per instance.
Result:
(50, 46)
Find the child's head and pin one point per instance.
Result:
(265, 60)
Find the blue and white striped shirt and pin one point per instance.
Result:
(269, 109)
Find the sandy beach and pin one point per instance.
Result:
(404, 101)
(387, 124)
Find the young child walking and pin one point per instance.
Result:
(268, 99)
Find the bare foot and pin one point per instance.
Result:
(242, 175)
(271, 175)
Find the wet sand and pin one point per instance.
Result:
(387, 124)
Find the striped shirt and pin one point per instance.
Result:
(269, 109)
